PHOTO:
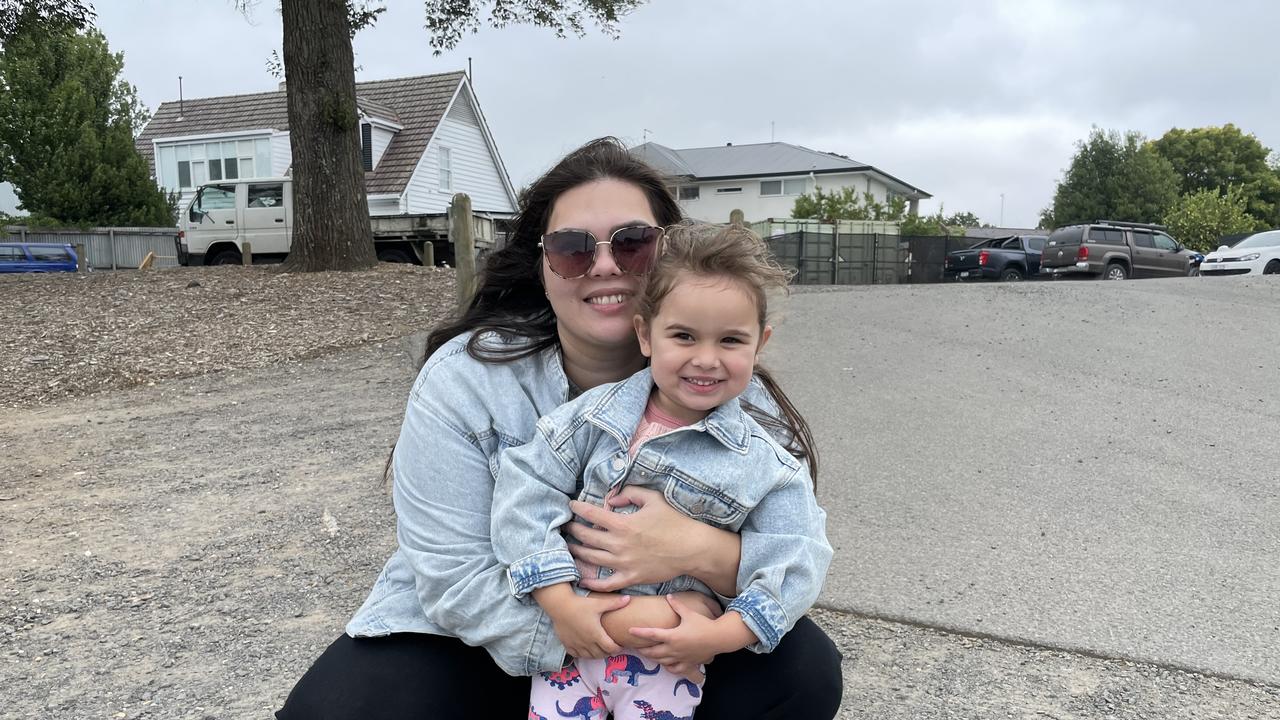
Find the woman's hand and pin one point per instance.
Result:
(654, 544)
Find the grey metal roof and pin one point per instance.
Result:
(416, 103)
(755, 160)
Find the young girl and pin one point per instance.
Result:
(679, 427)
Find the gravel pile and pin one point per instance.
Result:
(68, 335)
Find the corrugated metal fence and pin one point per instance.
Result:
(107, 248)
(857, 252)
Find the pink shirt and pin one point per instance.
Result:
(654, 423)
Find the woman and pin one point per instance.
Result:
(441, 625)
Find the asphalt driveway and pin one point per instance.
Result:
(1081, 465)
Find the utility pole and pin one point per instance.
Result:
(1001, 209)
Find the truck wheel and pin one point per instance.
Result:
(393, 255)
(1115, 271)
(1272, 268)
(1011, 275)
(226, 257)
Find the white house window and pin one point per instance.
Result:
(688, 192)
(192, 164)
(728, 191)
(446, 169)
(781, 187)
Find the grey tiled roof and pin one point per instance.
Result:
(416, 103)
(376, 109)
(757, 160)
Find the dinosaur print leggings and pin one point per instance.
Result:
(589, 689)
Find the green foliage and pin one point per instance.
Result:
(20, 15)
(1115, 177)
(963, 220)
(926, 225)
(449, 20)
(1198, 219)
(1215, 158)
(1047, 219)
(846, 204)
(67, 124)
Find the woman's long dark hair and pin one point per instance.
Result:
(509, 298)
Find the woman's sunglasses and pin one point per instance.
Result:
(571, 253)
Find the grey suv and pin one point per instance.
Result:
(1114, 251)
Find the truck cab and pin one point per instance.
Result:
(223, 216)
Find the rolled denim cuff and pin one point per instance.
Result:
(764, 616)
(541, 569)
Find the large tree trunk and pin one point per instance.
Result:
(330, 210)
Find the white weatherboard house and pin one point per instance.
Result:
(763, 180)
(423, 139)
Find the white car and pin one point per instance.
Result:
(1258, 254)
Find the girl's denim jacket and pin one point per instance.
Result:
(724, 470)
(443, 577)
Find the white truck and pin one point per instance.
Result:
(223, 216)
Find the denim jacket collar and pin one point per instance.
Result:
(620, 410)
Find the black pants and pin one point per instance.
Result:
(408, 675)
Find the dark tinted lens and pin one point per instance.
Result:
(633, 248)
(569, 252)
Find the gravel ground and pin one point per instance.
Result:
(78, 334)
(184, 549)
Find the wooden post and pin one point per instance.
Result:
(246, 253)
(82, 262)
(111, 235)
(736, 217)
(428, 253)
(461, 234)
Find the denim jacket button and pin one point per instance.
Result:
(619, 463)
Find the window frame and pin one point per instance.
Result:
(444, 163)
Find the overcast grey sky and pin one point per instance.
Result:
(965, 100)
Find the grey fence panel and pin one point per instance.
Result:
(108, 248)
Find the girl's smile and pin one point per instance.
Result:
(702, 344)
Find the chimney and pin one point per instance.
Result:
(728, 144)
(281, 86)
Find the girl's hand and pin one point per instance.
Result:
(577, 619)
(654, 544)
(683, 649)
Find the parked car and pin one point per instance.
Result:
(1115, 250)
(1258, 254)
(16, 257)
(1005, 259)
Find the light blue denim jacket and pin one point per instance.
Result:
(724, 470)
(443, 578)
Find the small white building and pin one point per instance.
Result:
(423, 139)
(763, 180)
